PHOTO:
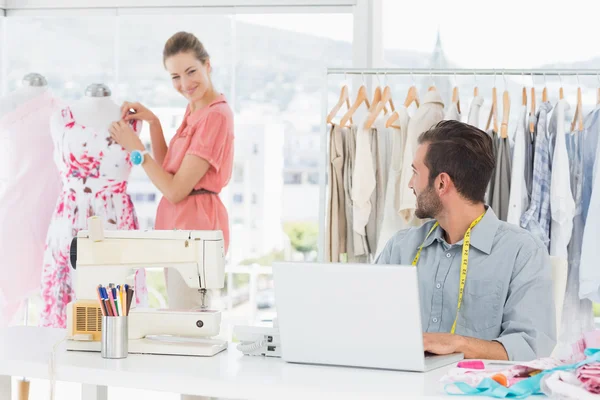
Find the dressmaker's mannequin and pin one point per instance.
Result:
(32, 85)
(96, 109)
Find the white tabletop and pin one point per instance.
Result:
(25, 351)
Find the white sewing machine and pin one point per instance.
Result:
(102, 257)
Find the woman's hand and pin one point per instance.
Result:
(122, 133)
(140, 112)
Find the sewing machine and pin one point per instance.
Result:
(102, 257)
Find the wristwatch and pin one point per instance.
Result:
(137, 157)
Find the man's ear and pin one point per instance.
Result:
(443, 182)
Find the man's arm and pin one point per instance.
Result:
(447, 343)
(529, 316)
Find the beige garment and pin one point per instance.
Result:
(452, 113)
(392, 222)
(356, 244)
(474, 111)
(336, 221)
(363, 180)
(427, 115)
(383, 165)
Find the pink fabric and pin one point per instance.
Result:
(206, 133)
(94, 171)
(513, 372)
(589, 375)
(29, 187)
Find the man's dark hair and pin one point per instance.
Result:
(462, 151)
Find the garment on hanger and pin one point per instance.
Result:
(356, 244)
(385, 143)
(577, 316)
(530, 154)
(94, 171)
(363, 181)
(592, 130)
(336, 225)
(392, 221)
(537, 218)
(474, 111)
(490, 189)
(500, 197)
(29, 187)
(452, 112)
(562, 205)
(427, 115)
(371, 228)
(519, 200)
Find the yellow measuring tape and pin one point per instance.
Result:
(464, 263)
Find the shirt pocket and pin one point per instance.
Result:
(481, 305)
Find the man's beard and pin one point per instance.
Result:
(428, 204)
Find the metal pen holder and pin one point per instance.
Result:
(115, 337)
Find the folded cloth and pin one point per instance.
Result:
(525, 387)
(589, 375)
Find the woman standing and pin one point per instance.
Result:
(196, 165)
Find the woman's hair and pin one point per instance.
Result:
(185, 42)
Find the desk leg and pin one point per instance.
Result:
(93, 392)
(5, 387)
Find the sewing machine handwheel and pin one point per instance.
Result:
(74, 253)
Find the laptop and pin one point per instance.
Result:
(357, 315)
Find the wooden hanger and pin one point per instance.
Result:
(344, 98)
(493, 112)
(475, 91)
(598, 96)
(545, 95)
(455, 98)
(505, 115)
(376, 99)
(361, 97)
(532, 110)
(411, 96)
(524, 96)
(578, 117)
(386, 97)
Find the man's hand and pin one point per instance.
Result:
(441, 343)
(447, 343)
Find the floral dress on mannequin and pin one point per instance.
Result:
(94, 171)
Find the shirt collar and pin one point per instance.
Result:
(482, 235)
(195, 116)
(432, 96)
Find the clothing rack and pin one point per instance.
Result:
(410, 71)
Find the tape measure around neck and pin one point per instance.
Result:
(464, 262)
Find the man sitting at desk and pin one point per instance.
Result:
(503, 307)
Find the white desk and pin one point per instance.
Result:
(25, 351)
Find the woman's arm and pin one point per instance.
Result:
(176, 187)
(157, 138)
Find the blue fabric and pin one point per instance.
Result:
(522, 389)
(592, 130)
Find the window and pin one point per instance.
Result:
(51, 51)
(152, 197)
(238, 198)
(313, 178)
(293, 178)
(238, 173)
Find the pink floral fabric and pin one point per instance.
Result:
(94, 171)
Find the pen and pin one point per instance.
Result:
(122, 300)
(99, 293)
(113, 305)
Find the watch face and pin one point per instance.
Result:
(136, 157)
